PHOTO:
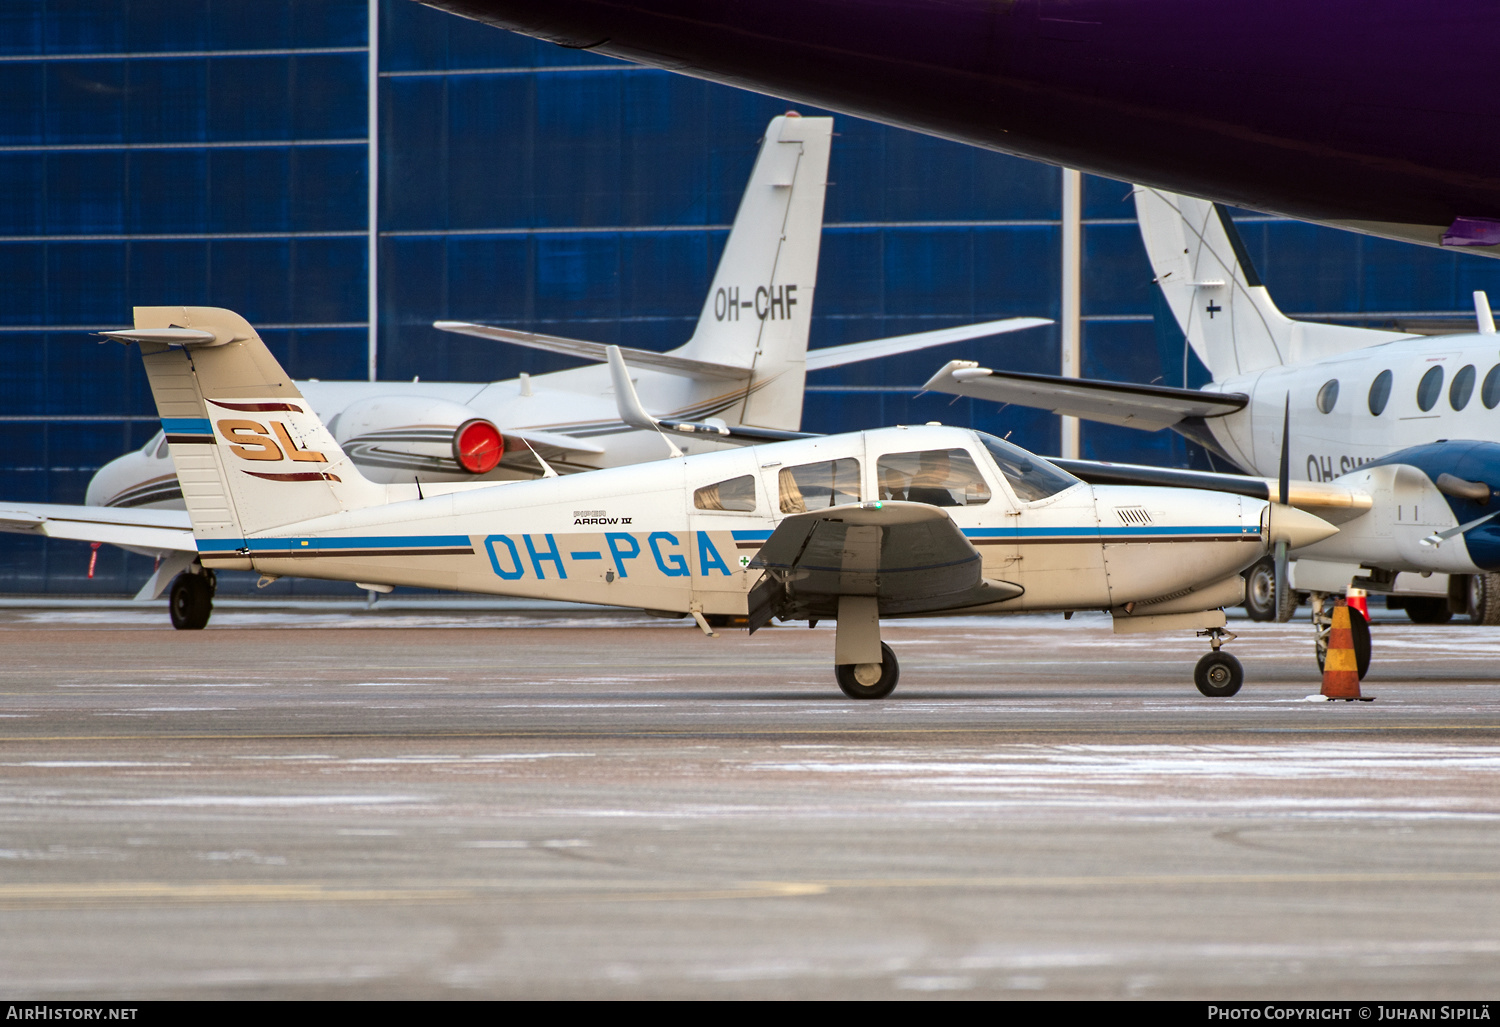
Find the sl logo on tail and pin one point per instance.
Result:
(251, 440)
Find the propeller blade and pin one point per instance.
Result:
(1284, 479)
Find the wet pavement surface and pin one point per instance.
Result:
(454, 804)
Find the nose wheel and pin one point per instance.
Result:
(869, 680)
(1218, 674)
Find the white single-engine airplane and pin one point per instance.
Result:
(1395, 435)
(897, 521)
(739, 378)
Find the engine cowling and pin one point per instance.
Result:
(401, 438)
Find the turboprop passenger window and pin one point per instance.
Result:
(937, 477)
(818, 486)
(1380, 392)
(1462, 387)
(1328, 395)
(1030, 477)
(1489, 392)
(737, 494)
(1429, 388)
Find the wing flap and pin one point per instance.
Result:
(910, 556)
(1147, 407)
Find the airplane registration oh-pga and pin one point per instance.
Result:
(854, 527)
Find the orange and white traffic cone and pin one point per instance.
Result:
(1357, 601)
(1340, 665)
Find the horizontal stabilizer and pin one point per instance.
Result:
(854, 352)
(1147, 407)
(161, 530)
(595, 351)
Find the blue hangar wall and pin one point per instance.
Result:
(217, 152)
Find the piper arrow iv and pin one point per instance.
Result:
(1392, 434)
(739, 378)
(855, 527)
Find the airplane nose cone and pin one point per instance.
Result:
(1297, 528)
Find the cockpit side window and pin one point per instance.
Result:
(1030, 476)
(737, 494)
(937, 477)
(818, 486)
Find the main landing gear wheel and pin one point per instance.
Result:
(1218, 675)
(1484, 599)
(869, 680)
(1424, 610)
(1359, 633)
(191, 601)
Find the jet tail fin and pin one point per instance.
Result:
(249, 451)
(1226, 312)
(759, 309)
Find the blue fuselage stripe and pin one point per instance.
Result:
(230, 545)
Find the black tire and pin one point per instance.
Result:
(890, 673)
(1218, 675)
(191, 601)
(1484, 599)
(1359, 630)
(1428, 609)
(1260, 593)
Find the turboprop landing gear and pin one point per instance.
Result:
(857, 647)
(1218, 674)
(191, 599)
(1359, 630)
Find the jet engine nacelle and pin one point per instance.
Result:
(396, 438)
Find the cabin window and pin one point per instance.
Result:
(1489, 392)
(1380, 392)
(1462, 387)
(1429, 388)
(937, 477)
(818, 486)
(1328, 395)
(1030, 477)
(736, 494)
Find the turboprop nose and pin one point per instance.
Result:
(1297, 528)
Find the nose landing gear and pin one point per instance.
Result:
(1218, 674)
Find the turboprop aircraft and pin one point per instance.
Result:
(740, 378)
(1394, 434)
(897, 521)
(1342, 115)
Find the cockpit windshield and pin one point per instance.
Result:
(1030, 477)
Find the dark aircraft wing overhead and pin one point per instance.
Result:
(910, 556)
(1147, 407)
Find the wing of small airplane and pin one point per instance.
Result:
(911, 557)
(817, 360)
(161, 530)
(168, 534)
(1147, 407)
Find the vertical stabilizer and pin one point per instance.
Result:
(758, 312)
(1219, 301)
(249, 451)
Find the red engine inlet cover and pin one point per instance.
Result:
(477, 446)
